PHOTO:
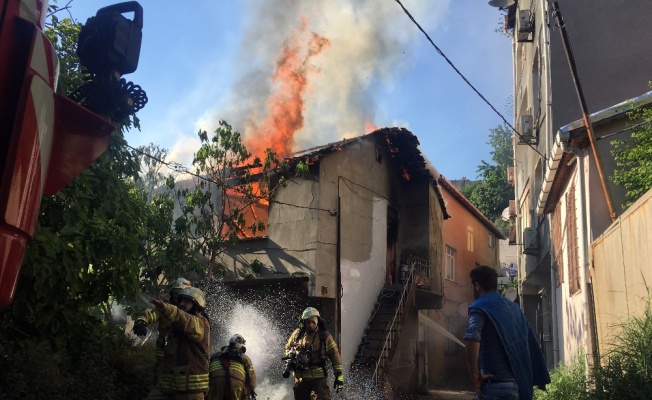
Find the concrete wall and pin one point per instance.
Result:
(613, 59)
(613, 63)
(364, 187)
(291, 246)
(622, 273)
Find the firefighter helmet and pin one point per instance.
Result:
(310, 312)
(236, 345)
(180, 283)
(195, 295)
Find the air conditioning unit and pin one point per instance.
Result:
(527, 131)
(512, 209)
(525, 32)
(510, 176)
(530, 241)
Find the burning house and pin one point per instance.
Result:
(360, 236)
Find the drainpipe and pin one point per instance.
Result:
(338, 271)
(592, 346)
(555, 321)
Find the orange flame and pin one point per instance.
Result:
(285, 106)
(369, 127)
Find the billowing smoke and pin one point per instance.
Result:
(312, 67)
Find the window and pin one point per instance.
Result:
(557, 240)
(451, 255)
(469, 239)
(492, 241)
(571, 242)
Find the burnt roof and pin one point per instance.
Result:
(403, 147)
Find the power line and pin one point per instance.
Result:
(177, 167)
(466, 80)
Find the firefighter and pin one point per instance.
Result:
(231, 372)
(306, 352)
(185, 359)
(151, 317)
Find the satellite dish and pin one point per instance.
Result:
(505, 214)
(501, 3)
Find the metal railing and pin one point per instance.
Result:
(392, 334)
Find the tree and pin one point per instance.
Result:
(230, 189)
(85, 253)
(634, 158)
(165, 251)
(491, 194)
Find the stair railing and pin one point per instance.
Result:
(392, 335)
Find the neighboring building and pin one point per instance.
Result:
(559, 202)
(351, 229)
(470, 239)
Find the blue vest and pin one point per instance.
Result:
(520, 342)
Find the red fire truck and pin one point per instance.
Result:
(47, 139)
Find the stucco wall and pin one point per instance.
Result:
(363, 186)
(362, 281)
(291, 246)
(458, 293)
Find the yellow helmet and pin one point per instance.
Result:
(310, 312)
(179, 284)
(195, 295)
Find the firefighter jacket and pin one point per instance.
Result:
(151, 317)
(234, 370)
(185, 359)
(321, 346)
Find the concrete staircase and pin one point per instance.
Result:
(382, 333)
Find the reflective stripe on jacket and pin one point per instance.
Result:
(185, 360)
(302, 339)
(236, 369)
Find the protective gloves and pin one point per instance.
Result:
(338, 385)
(140, 328)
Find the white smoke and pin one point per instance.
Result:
(371, 45)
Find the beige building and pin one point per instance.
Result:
(560, 205)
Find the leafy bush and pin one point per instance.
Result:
(568, 382)
(626, 370)
(105, 368)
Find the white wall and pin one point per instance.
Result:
(362, 282)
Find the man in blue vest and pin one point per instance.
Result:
(502, 353)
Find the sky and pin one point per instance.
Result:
(292, 74)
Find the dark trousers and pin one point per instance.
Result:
(311, 389)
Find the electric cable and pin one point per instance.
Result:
(466, 80)
(177, 167)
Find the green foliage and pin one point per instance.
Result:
(63, 35)
(108, 369)
(634, 158)
(626, 370)
(568, 382)
(85, 253)
(218, 206)
(491, 194)
(165, 251)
